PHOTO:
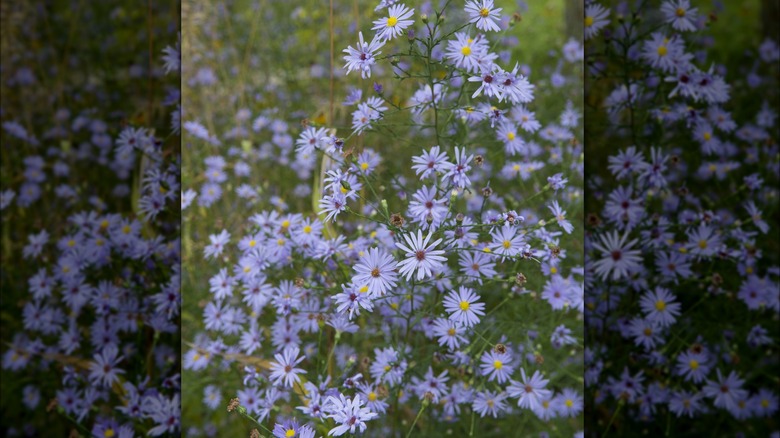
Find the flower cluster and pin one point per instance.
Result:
(90, 210)
(682, 298)
(416, 258)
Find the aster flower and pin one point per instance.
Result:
(362, 57)
(490, 403)
(376, 270)
(350, 415)
(618, 257)
(283, 371)
(449, 332)
(104, 370)
(725, 391)
(693, 366)
(430, 162)
(659, 306)
(496, 366)
(394, 25)
(420, 256)
(352, 299)
(333, 205)
(680, 14)
(508, 242)
(463, 307)
(484, 14)
(457, 172)
(595, 19)
(529, 391)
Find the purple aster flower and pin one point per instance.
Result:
(660, 306)
(283, 371)
(529, 391)
(726, 392)
(420, 256)
(376, 270)
(497, 366)
(104, 370)
(463, 306)
(350, 415)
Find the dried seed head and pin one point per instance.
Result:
(717, 279)
(487, 191)
(233, 405)
(539, 358)
(52, 405)
(520, 279)
(304, 123)
(479, 160)
(299, 282)
(593, 220)
(427, 397)
(254, 434)
(382, 391)
(459, 218)
(397, 220)
(500, 348)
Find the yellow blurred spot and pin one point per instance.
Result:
(588, 21)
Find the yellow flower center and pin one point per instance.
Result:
(392, 21)
(553, 270)
(307, 229)
(363, 289)
(660, 305)
(569, 403)
(702, 244)
(707, 136)
(387, 368)
(99, 242)
(372, 396)
(507, 244)
(466, 51)
(648, 332)
(195, 356)
(252, 243)
(546, 404)
(497, 364)
(464, 305)
(126, 229)
(451, 332)
(108, 433)
(286, 224)
(487, 249)
(516, 168)
(71, 242)
(343, 190)
(588, 21)
(247, 269)
(290, 433)
(484, 12)
(680, 12)
(104, 224)
(491, 403)
(693, 364)
(765, 403)
(662, 50)
(511, 136)
(364, 166)
(280, 242)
